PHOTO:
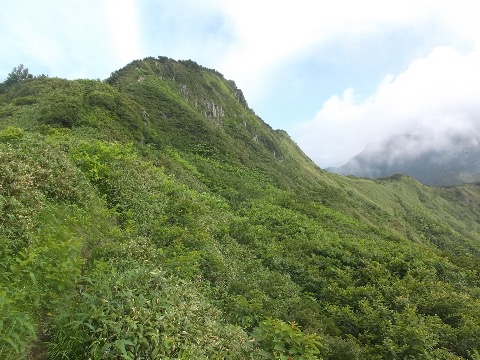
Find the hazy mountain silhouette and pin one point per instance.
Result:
(449, 161)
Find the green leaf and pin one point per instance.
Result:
(11, 342)
(265, 354)
(32, 276)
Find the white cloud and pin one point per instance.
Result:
(437, 94)
(56, 37)
(185, 29)
(123, 29)
(269, 34)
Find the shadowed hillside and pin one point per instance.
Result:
(154, 215)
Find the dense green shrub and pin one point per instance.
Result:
(138, 313)
(278, 340)
(102, 99)
(63, 111)
(26, 100)
(10, 134)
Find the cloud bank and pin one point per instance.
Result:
(269, 35)
(71, 39)
(436, 96)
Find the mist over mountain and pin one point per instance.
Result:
(154, 215)
(449, 160)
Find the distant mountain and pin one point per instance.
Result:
(432, 161)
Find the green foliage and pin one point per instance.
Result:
(156, 216)
(277, 340)
(41, 235)
(26, 100)
(139, 313)
(63, 111)
(16, 328)
(20, 199)
(102, 99)
(18, 73)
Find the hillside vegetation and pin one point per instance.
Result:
(155, 216)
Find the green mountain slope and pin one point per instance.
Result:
(154, 215)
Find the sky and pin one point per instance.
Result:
(336, 75)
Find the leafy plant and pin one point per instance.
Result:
(278, 340)
(139, 313)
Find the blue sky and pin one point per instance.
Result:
(336, 75)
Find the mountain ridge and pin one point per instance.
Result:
(154, 214)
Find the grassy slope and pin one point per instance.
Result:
(156, 215)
